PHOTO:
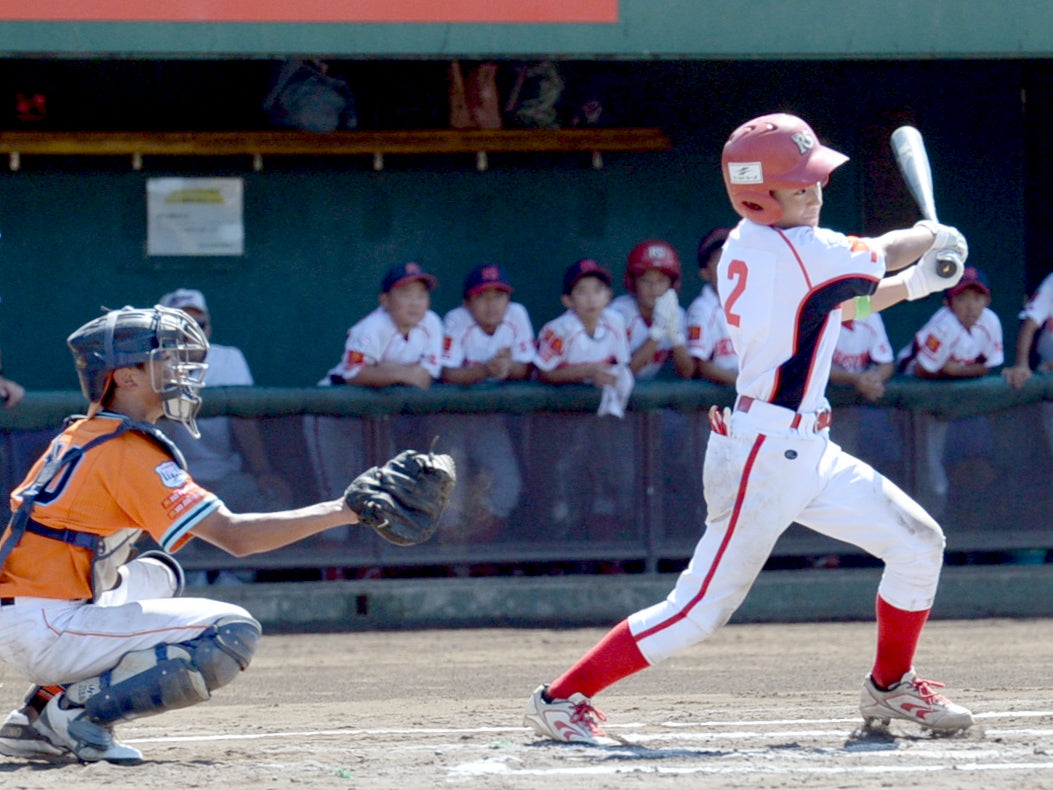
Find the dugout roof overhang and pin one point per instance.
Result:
(633, 29)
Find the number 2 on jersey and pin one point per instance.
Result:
(737, 271)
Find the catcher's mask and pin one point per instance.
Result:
(167, 340)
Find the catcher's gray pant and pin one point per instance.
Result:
(759, 478)
(60, 642)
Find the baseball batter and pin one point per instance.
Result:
(785, 284)
(99, 629)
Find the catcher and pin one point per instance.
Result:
(100, 631)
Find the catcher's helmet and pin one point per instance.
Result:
(652, 254)
(132, 336)
(776, 151)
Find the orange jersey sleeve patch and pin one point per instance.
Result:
(858, 245)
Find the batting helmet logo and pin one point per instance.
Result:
(804, 142)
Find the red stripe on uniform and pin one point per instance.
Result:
(732, 524)
(796, 257)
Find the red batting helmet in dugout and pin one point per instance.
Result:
(652, 254)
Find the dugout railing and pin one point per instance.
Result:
(600, 493)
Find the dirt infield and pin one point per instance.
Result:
(758, 706)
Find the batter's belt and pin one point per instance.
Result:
(770, 418)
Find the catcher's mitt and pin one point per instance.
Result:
(404, 499)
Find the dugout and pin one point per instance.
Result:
(975, 76)
(319, 229)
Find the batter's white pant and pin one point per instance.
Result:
(60, 642)
(759, 479)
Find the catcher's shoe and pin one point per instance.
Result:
(89, 741)
(571, 720)
(19, 739)
(913, 699)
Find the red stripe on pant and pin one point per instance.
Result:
(732, 524)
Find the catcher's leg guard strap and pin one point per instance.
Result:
(169, 677)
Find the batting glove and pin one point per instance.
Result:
(923, 278)
(666, 316)
(945, 237)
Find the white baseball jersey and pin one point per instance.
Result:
(638, 332)
(466, 344)
(563, 341)
(707, 331)
(862, 343)
(945, 339)
(783, 309)
(770, 462)
(376, 339)
(1039, 308)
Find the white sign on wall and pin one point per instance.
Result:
(195, 216)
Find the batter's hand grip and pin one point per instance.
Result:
(947, 264)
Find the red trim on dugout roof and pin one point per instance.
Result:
(370, 11)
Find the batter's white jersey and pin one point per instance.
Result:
(945, 339)
(563, 341)
(780, 289)
(708, 338)
(770, 461)
(376, 339)
(638, 333)
(862, 343)
(1039, 308)
(465, 344)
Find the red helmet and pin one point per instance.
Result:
(776, 151)
(652, 254)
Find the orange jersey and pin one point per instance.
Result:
(126, 483)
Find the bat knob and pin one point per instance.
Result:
(948, 264)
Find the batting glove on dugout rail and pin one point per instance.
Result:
(404, 499)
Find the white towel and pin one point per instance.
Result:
(616, 395)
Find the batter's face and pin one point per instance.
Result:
(969, 305)
(649, 286)
(407, 304)
(799, 206)
(588, 299)
(488, 308)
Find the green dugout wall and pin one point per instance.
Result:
(320, 231)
